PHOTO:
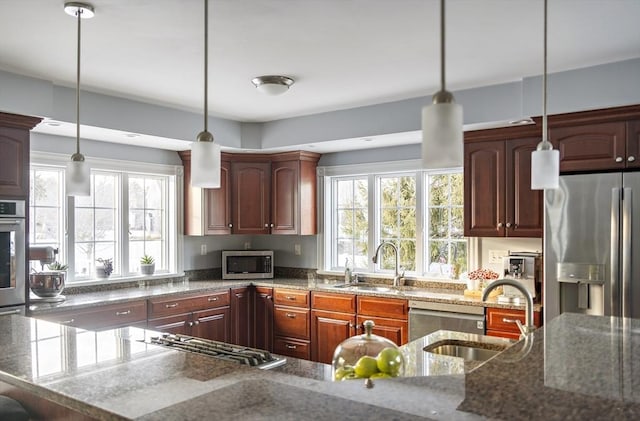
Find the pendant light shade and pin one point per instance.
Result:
(545, 161)
(205, 154)
(78, 173)
(442, 121)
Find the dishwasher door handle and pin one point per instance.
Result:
(420, 312)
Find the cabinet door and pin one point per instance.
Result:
(328, 330)
(263, 318)
(392, 329)
(285, 210)
(14, 167)
(633, 144)
(590, 147)
(250, 194)
(212, 324)
(484, 177)
(217, 204)
(240, 316)
(524, 207)
(173, 324)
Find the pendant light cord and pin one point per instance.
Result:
(442, 55)
(79, 15)
(544, 78)
(206, 60)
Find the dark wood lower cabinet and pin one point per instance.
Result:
(296, 348)
(263, 318)
(393, 329)
(213, 324)
(172, 324)
(241, 316)
(328, 330)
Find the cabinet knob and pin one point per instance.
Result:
(508, 225)
(499, 224)
(266, 225)
(631, 158)
(230, 225)
(271, 225)
(190, 324)
(268, 297)
(619, 159)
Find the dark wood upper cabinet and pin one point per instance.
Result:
(250, 195)
(633, 144)
(498, 198)
(14, 153)
(590, 147)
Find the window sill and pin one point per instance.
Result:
(115, 280)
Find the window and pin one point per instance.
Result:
(418, 211)
(129, 214)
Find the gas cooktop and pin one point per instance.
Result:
(241, 354)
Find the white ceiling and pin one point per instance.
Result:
(342, 53)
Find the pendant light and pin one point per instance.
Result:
(442, 132)
(545, 161)
(78, 173)
(205, 154)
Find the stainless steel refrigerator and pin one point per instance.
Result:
(592, 245)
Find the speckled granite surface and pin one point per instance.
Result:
(576, 367)
(145, 289)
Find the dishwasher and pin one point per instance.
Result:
(427, 317)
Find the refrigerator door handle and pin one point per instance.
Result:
(627, 197)
(616, 305)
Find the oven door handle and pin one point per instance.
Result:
(10, 221)
(7, 313)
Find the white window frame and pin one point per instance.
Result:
(175, 238)
(325, 213)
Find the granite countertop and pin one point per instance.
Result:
(437, 292)
(575, 367)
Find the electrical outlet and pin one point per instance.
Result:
(495, 256)
(247, 245)
(297, 250)
(203, 249)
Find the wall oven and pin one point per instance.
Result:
(247, 264)
(12, 256)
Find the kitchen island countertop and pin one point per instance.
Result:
(575, 367)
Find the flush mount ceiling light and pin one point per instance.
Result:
(545, 161)
(442, 132)
(272, 84)
(205, 154)
(78, 173)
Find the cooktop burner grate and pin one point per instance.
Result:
(240, 354)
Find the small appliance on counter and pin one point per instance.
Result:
(46, 286)
(524, 267)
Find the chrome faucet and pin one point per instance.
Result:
(528, 326)
(397, 278)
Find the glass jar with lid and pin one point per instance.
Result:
(368, 357)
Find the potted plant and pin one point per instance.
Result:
(57, 266)
(147, 265)
(105, 268)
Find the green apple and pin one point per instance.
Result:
(365, 367)
(389, 361)
(341, 372)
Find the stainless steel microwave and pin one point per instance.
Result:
(247, 264)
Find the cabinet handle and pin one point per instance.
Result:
(619, 159)
(291, 315)
(499, 224)
(174, 305)
(508, 225)
(631, 158)
(289, 346)
(123, 313)
(505, 320)
(211, 299)
(290, 298)
(67, 322)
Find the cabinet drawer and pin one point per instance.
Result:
(103, 317)
(502, 319)
(343, 303)
(292, 347)
(291, 321)
(291, 297)
(392, 308)
(167, 306)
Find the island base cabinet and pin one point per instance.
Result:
(177, 325)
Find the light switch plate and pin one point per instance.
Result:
(496, 256)
(203, 249)
(297, 250)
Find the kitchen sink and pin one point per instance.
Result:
(372, 288)
(467, 350)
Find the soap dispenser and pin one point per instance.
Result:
(347, 271)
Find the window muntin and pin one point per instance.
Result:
(46, 210)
